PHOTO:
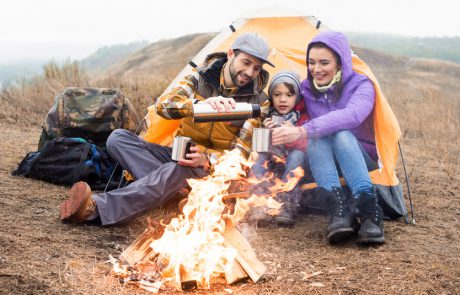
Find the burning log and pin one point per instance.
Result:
(246, 264)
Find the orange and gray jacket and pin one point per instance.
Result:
(204, 82)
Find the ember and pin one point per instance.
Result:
(202, 243)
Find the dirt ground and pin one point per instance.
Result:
(40, 255)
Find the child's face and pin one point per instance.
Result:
(283, 99)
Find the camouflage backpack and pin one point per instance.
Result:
(89, 113)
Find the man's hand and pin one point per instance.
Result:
(221, 103)
(287, 134)
(195, 159)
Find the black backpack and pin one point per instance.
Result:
(68, 160)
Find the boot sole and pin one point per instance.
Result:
(79, 197)
(280, 221)
(371, 240)
(260, 219)
(340, 235)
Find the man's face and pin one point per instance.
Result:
(243, 68)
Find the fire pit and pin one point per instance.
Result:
(202, 242)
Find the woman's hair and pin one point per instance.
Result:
(339, 87)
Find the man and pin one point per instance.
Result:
(224, 79)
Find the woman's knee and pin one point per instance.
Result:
(343, 138)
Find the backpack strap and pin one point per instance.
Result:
(83, 157)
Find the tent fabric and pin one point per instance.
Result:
(288, 37)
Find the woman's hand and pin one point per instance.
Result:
(221, 103)
(195, 159)
(287, 134)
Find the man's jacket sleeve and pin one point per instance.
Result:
(177, 103)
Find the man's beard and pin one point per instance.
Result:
(234, 75)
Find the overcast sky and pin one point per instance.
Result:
(76, 28)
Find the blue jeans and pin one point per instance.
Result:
(340, 151)
(295, 158)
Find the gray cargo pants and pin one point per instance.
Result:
(157, 178)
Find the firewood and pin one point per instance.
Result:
(245, 256)
(236, 274)
(139, 249)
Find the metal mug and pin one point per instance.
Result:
(277, 120)
(261, 140)
(181, 147)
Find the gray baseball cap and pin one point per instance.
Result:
(253, 44)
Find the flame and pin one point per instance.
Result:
(192, 245)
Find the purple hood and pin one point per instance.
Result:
(352, 110)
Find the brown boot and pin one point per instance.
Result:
(79, 206)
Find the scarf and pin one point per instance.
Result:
(334, 81)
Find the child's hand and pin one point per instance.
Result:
(268, 123)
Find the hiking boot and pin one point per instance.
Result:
(342, 221)
(259, 216)
(371, 218)
(291, 205)
(79, 206)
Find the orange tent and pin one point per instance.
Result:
(288, 34)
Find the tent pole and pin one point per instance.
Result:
(407, 183)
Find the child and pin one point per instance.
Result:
(284, 94)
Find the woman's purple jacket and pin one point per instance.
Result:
(353, 110)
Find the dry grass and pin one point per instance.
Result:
(28, 101)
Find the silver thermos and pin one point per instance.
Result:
(203, 112)
(181, 147)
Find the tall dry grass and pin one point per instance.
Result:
(27, 101)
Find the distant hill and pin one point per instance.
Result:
(108, 55)
(445, 48)
(165, 57)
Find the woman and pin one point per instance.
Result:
(340, 134)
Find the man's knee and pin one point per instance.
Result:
(116, 137)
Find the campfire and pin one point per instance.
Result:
(203, 243)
